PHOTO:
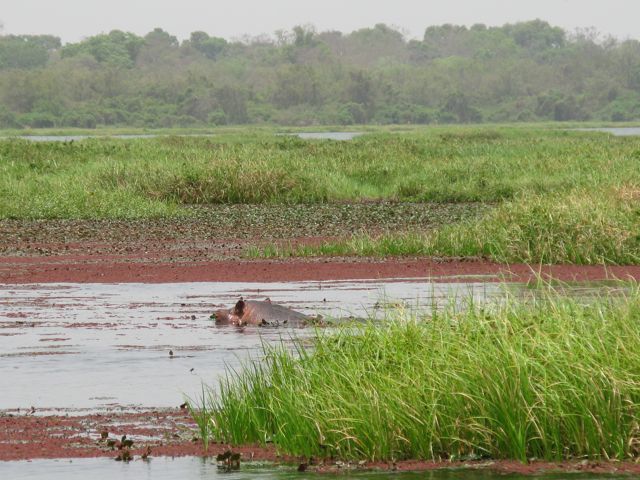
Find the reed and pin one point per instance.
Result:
(548, 378)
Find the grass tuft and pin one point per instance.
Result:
(550, 378)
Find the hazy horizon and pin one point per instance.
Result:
(72, 20)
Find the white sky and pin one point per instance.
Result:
(73, 20)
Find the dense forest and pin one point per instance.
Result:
(528, 71)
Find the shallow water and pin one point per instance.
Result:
(197, 468)
(96, 346)
(115, 339)
(68, 138)
(75, 138)
(615, 131)
(341, 136)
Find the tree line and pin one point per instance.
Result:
(528, 71)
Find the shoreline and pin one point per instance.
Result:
(172, 433)
(157, 268)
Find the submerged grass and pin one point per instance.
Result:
(549, 378)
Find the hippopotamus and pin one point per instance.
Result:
(262, 313)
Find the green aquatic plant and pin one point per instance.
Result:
(548, 378)
(199, 415)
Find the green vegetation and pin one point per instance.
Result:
(145, 177)
(551, 378)
(520, 194)
(580, 227)
(528, 71)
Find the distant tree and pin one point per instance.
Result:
(26, 51)
(304, 36)
(157, 47)
(536, 35)
(295, 85)
(234, 104)
(211, 47)
(458, 107)
(368, 45)
(159, 37)
(117, 48)
(446, 40)
(525, 71)
(560, 107)
(360, 89)
(8, 119)
(628, 63)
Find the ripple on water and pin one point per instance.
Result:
(95, 341)
(199, 468)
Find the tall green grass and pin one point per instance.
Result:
(139, 178)
(550, 379)
(558, 196)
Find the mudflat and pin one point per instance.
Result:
(175, 250)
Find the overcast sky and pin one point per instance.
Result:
(73, 20)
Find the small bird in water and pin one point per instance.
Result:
(229, 460)
(146, 453)
(124, 443)
(124, 456)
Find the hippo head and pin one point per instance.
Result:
(221, 316)
(231, 316)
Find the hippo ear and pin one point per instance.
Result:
(239, 308)
(267, 300)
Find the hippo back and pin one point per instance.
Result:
(263, 313)
(267, 313)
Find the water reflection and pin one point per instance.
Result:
(615, 131)
(197, 468)
(340, 136)
(75, 138)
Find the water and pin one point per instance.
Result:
(95, 346)
(75, 138)
(615, 131)
(74, 348)
(199, 468)
(340, 136)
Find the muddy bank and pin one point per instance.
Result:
(172, 433)
(156, 267)
(502, 467)
(155, 432)
(209, 245)
(218, 229)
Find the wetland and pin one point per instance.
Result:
(115, 251)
